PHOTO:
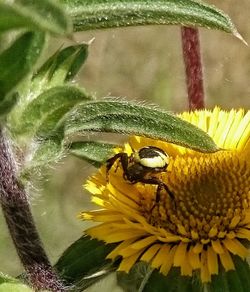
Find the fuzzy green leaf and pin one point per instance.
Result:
(123, 117)
(42, 155)
(18, 60)
(84, 257)
(46, 15)
(45, 113)
(95, 153)
(96, 14)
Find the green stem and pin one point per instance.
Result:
(193, 67)
(16, 210)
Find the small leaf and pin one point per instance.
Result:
(45, 112)
(95, 153)
(84, 257)
(44, 15)
(18, 60)
(123, 117)
(8, 103)
(64, 64)
(117, 13)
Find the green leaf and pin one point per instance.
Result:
(45, 113)
(44, 15)
(63, 65)
(14, 287)
(95, 153)
(85, 257)
(6, 279)
(96, 14)
(9, 284)
(18, 60)
(123, 117)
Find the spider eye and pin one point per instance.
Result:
(152, 157)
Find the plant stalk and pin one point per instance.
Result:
(193, 67)
(17, 213)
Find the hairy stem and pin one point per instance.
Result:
(21, 225)
(193, 67)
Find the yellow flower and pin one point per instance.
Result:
(208, 220)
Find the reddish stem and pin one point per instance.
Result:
(193, 66)
(21, 225)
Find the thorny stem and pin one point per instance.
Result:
(193, 67)
(21, 225)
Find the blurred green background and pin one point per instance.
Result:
(142, 63)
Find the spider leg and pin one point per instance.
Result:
(160, 186)
(123, 158)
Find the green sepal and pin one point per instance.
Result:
(128, 118)
(43, 15)
(42, 116)
(96, 153)
(17, 61)
(233, 280)
(143, 278)
(84, 259)
(96, 14)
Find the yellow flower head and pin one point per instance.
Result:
(199, 216)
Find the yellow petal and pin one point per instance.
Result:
(150, 253)
(205, 274)
(116, 251)
(212, 261)
(235, 247)
(198, 248)
(167, 264)
(217, 247)
(194, 259)
(243, 233)
(226, 260)
(161, 256)
(180, 254)
(144, 242)
(128, 262)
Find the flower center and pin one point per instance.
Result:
(211, 196)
